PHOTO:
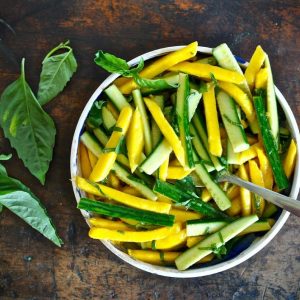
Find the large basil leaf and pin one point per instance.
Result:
(29, 209)
(28, 127)
(57, 70)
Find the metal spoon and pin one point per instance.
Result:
(287, 203)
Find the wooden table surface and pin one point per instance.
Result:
(33, 268)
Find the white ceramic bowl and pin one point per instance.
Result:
(256, 245)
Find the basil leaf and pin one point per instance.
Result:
(152, 83)
(28, 127)
(2, 170)
(30, 210)
(94, 118)
(114, 64)
(5, 156)
(57, 70)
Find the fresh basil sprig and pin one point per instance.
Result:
(57, 70)
(18, 198)
(30, 130)
(114, 64)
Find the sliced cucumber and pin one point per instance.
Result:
(139, 102)
(232, 157)
(217, 193)
(108, 119)
(156, 157)
(91, 143)
(272, 102)
(203, 227)
(270, 144)
(187, 199)
(226, 60)
(101, 136)
(117, 211)
(232, 123)
(200, 128)
(116, 97)
(206, 246)
(200, 149)
(193, 101)
(182, 113)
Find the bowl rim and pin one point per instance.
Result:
(257, 245)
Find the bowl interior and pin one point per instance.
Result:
(255, 245)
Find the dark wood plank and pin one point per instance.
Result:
(30, 266)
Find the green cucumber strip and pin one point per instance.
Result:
(270, 144)
(270, 210)
(232, 123)
(216, 240)
(226, 60)
(221, 199)
(272, 102)
(200, 128)
(208, 60)
(261, 225)
(116, 97)
(200, 149)
(156, 157)
(182, 113)
(117, 211)
(232, 157)
(108, 119)
(155, 131)
(203, 227)
(139, 103)
(101, 136)
(193, 101)
(91, 143)
(185, 199)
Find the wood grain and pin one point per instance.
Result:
(30, 266)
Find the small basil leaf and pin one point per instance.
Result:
(30, 210)
(2, 170)
(94, 118)
(151, 83)
(57, 70)
(28, 127)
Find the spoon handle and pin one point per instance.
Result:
(287, 203)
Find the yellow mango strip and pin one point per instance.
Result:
(132, 236)
(85, 164)
(106, 159)
(256, 176)
(131, 191)
(204, 71)
(240, 97)
(182, 216)
(212, 123)
(245, 194)
(92, 158)
(129, 200)
(163, 170)
(135, 140)
(112, 109)
(233, 192)
(167, 130)
(162, 64)
(254, 66)
(251, 139)
(290, 159)
(114, 181)
(235, 208)
(154, 257)
(109, 224)
(261, 79)
(171, 242)
(205, 195)
(248, 154)
(193, 240)
(177, 173)
(121, 80)
(265, 168)
(258, 227)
